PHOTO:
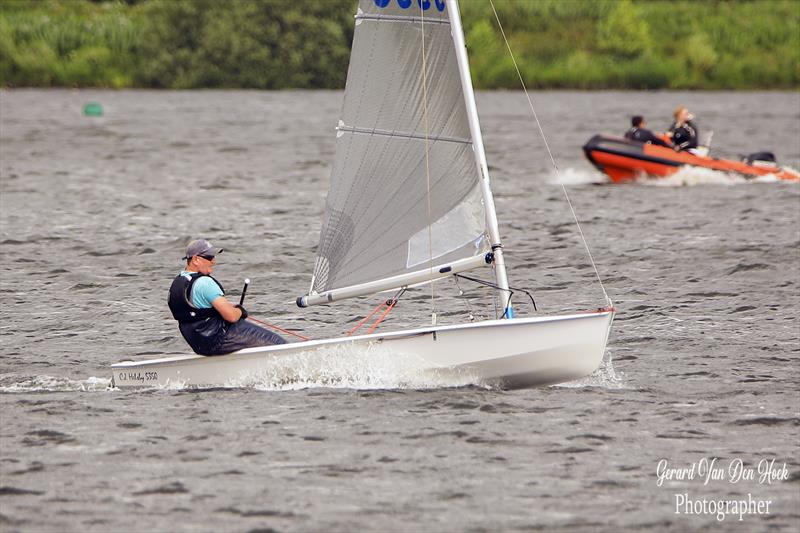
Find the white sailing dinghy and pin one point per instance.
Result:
(410, 203)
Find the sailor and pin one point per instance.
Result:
(640, 133)
(683, 131)
(206, 319)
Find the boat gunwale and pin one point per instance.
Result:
(589, 147)
(388, 336)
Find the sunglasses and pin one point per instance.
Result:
(207, 257)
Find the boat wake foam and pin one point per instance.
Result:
(684, 177)
(15, 383)
(691, 176)
(373, 367)
(352, 367)
(605, 376)
(576, 176)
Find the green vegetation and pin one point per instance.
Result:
(640, 44)
(275, 44)
(53, 43)
(270, 44)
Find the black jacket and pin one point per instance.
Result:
(684, 137)
(643, 135)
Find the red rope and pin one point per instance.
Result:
(365, 319)
(388, 308)
(279, 329)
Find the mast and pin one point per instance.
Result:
(480, 155)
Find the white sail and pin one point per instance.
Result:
(391, 212)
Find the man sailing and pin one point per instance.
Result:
(206, 319)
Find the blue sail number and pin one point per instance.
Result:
(405, 4)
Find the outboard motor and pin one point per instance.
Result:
(703, 144)
(761, 159)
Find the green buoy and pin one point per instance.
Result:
(93, 109)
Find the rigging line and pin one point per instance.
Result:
(427, 158)
(273, 326)
(389, 306)
(364, 320)
(465, 299)
(509, 290)
(549, 152)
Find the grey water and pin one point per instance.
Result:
(701, 367)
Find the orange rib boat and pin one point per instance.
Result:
(625, 160)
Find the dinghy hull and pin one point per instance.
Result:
(513, 353)
(624, 160)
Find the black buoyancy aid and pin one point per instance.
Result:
(684, 136)
(180, 302)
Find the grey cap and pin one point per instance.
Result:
(200, 247)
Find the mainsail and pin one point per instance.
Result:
(405, 193)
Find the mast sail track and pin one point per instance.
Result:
(396, 282)
(479, 153)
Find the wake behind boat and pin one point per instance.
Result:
(625, 160)
(410, 203)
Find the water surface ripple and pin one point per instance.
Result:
(94, 212)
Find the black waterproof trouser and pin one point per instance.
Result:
(214, 336)
(244, 334)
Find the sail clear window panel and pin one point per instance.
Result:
(463, 225)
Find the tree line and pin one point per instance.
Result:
(278, 44)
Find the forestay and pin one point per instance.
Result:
(390, 212)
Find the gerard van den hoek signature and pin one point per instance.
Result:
(711, 469)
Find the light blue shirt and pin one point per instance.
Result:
(204, 291)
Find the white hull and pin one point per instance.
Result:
(515, 353)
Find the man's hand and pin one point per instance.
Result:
(231, 313)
